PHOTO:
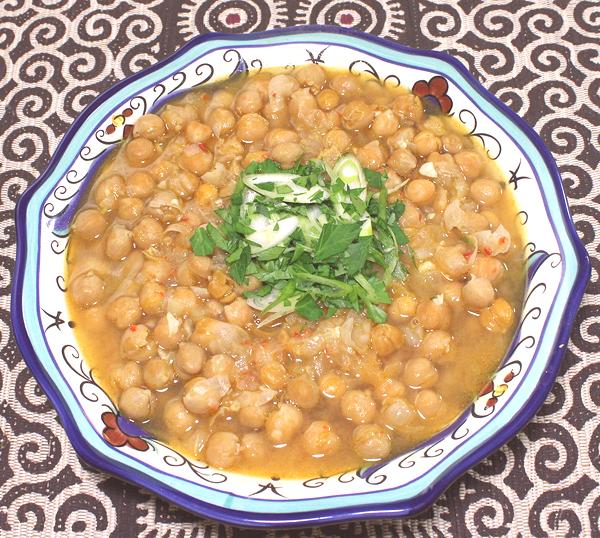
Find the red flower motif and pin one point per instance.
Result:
(114, 434)
(232, 18)
(347, 19)
(434, 95)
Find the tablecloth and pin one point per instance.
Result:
(540, 57)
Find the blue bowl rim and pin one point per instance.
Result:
(329, 516)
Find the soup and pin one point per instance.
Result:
(295, 273)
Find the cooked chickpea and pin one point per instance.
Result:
(436, 344)
(358, 406)
(385, 123)
(252, 128)
(128, 375)
(408, 108)
(206, 194)
(147, 232)
(135, 343)
(158, 374)
(478, 292)
(428, 403)
(371, 442)
(328, 99)
(286, 152)
(452, 292)
(201, 396)
(452, 143)
(150, 126)
(220, 287)
(153, 298)
(253, 416)
(402, 139)
(402, 308)
(108, 191)
(402, 161)
(220, 364)
(248, 102)
(434, 314)
(175, 117)
(345, 85)
(129, 209)
(332, 385)
(389, 388)
(488, 267)
(192, 270)
(196, 132)
(283, 424)
(176, 418)
(498, 317)
(426, 143)
(190, 358)
(119, 243)
(303, 391)
(183, 184)
(420, 191)
(87, 289)
(238, 312)
(486, 191)
(222, 449)
(168, 332)
(221, 121)
(470, 162)
(254, 446)
(311, 75)
(357, 115)
(140, 184)
(137, 403)
(124, 311)
(420, 373)
(371, 155)
(139, 152)
(337, 139)
(158, 269)
(319, 439)
(397, 414)
(195, 159)
(454, 260)
(412, 216)
(273, 374)
(89, 224)
(385, 339)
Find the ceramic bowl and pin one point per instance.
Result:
(557, 269)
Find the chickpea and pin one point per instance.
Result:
(168, 332)
(248, 102)
(182, 301)
(328, 99)
(135, 343)
(150, 126)
(371, 155)
(412, 216)
(254, 157)
(402, 308)
(385, 124)
(303, 391)
(158, 374)
(87, 289)
(137, 403)
(183, 184)
(385, 339)
(402, 139)
(452, 292)
(128, 375)
(357, 115)
(426, 143)
(124, 311)
(436, 344)
(420, 191)
(311, 75)
(254, 446)
(220, 287)
(201, 396)
(319, 439)
(176, 418)
(273, 374)
(139, 152)
(221, 121)
(89, 224)
(453, 261)
(498, 317)
(332, 385)
(129, 208)
(222, 98)
(452, 143)
(157, 269)
(206, 194)
(108, 191)
(420, 373)
(147, 232)
(196, 132)
(219, 364)
(470, 162)
(389, 388)
(253, 416)
(358, 406)
(402, 161)
(287, 152)
(222, 449)
(140, 184)
(434, 314)
(153, 298)
(397, 414)
(276, 114)
(190, 358)
(428, 403)
(283, 424)
(238, 312)
(175, 117)
(119, 243)
(408, 108)
(281, 86)
(337, 139)
(195, 159)
(193, 270)
(486, 191)
(394, 366)
(345, 85)
(478, 292)
(279, 136)
(488, 267)
(371, 442)
(252, 128)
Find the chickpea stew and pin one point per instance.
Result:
(295, 273)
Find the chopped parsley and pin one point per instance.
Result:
(318, 239)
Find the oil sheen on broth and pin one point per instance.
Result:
(171, 338)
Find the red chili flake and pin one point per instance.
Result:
(487, 251)
(185, 218)
(133, 328)
(502, 240)
(264, 343)
(467, 255)
(203, 147)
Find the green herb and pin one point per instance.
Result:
(335, 238)
(202, 244)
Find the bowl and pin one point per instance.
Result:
(557, 272)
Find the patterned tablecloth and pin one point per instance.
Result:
(541, 57)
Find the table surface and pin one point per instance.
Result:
(541, 58)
